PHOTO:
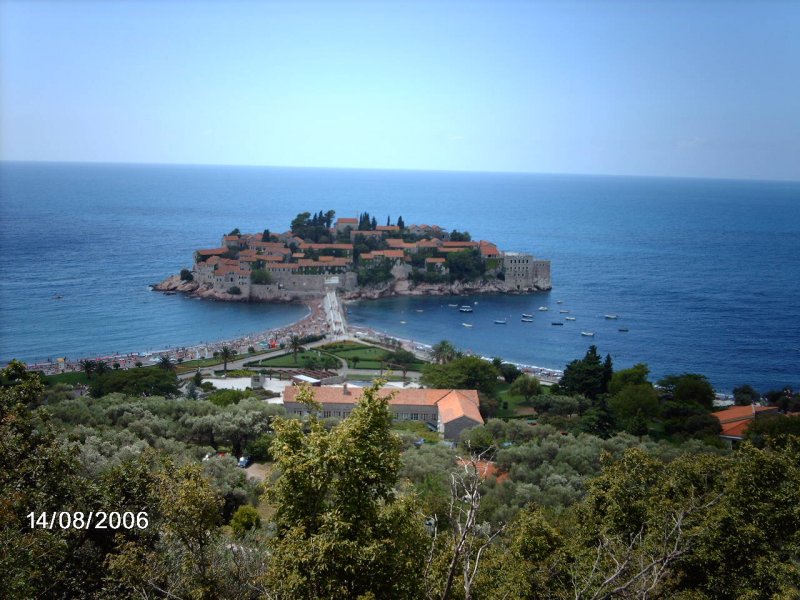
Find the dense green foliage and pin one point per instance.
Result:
(135, 382)
(260, 277)
(355, 511)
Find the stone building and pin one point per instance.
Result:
(524, 272)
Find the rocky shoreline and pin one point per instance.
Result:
(403, 287)
(406, 288)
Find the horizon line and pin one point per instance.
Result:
(400, 169)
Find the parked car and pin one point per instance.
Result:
(245, 461)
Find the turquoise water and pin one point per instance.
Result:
(703, 273)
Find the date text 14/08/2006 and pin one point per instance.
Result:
(91, 520)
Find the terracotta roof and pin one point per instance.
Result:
(737, 413)
(398, 243)
(387, 228)
(736, 419)
(489, 249)
(486, 468)
(389, 253)
(434, 260)
(457, 404)
(212, 251)
(434, 243)
(735, 429)
(346, 220)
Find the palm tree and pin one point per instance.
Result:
(165, 362)
(226, 355)
(444, 352)
(355, 360)
(100, 367)
(88, 367)
(296, 346)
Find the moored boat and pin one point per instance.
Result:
(610, 316)
(557, 323)
(465, 308)
(527, 320)
(587, 333)
(623, 329)
(564, 312)
(500, 321)
(543, 308)
(569, 318)
(467, 324)
(527, 316)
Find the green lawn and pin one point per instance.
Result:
(514, 402)
(287, 360)
(369, 357)
(70, 378)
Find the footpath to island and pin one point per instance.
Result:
(326, 317)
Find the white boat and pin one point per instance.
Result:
(588, 333)
(402, 322)
(527, 316)
(527, 320)
(543, 308)
(500, 321)
(610, 316)
(420, 310)
(467, 324)
(559, 302)
(452, 305)
(569, 318)
(465, 308)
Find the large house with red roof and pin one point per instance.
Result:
(736, 419)
(450, 411)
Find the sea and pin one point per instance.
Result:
(703, 274)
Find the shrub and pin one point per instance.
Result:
(186, 275)
(245, 519)
(234, 290)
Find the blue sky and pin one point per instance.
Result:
(700, 89)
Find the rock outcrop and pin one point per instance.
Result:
(192, 288)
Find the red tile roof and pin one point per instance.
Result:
(737, 413)
(434, 260)
(212, 251)
(452, 404)
(736, 419)
(346, 220)
(387, 228)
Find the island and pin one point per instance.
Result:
(355, 258)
